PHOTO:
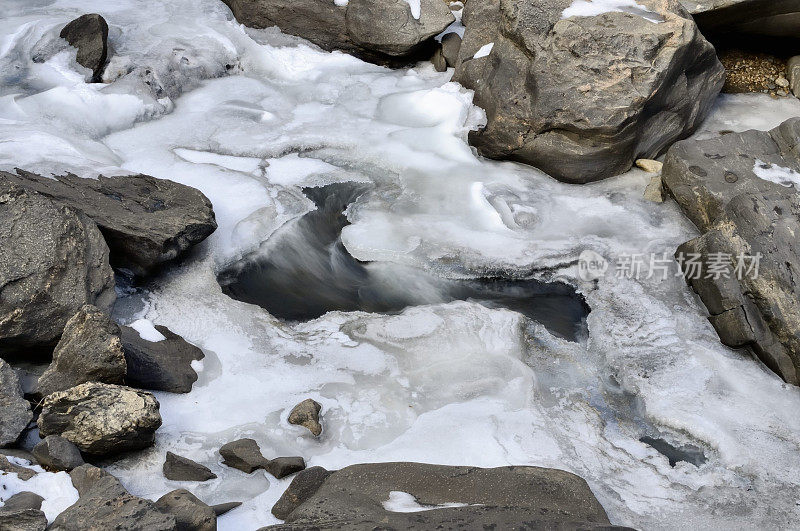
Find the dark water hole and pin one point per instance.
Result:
(304, 271)
(688, 453)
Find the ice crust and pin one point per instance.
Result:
(251, 116)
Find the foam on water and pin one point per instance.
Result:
(250, 117)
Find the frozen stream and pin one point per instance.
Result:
(252, 117)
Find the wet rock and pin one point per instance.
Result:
(53, 260)
(189, 512)
(101, 419)
(56, 453)
(280, 467)
(15, 411)
(146, 221)
(740, 191)
(24, 473)
(380, 32)
(222, 508)
(243, 454)
(306, 414)
(496, 498)
(89, 351)
(105, 504)
(179, 468)
(758, 17)
(302, 487)
(164, 365)
(89, 34)
(583, 97)
(451, 44)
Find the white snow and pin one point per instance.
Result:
(147, 331)
(777, 174)
(483, 51)
(55, 487)
(403, 502)
(415, 7)
(249, 117)
(593, 8)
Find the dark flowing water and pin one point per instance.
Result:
(304, 271)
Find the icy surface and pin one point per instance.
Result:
(249, 117)
(592, 8)
(147, 331)
(55, 487)
(777, 174)
(403, 502)
(483, 51)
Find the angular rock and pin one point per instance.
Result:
(105, 504)
(243, 454)
(306, 414)
(15, 411)
(280, 467)
(146, 221)
(222, 508)
(582, 97)
(775, 18)
(89, 34)
(190, 513)
(179, 468)
(655, 190)
(24, 500)
(22, 519)
(380, 32)
(302, 487)
(101, 419)
(164, 365)
(53, 260)
(497, 498)
(734, 188)
(56, 453)
(89, 351)
(24, 473)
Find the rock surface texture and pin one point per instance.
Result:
(101, 419)
(777, 18)
(499, 498)
(15, 411)
(382, 32)
(89, 351)
(741, 190)
(53, 260)
(56, 453)
(179, 468)
(164, 365)
(146, 221)
(89, 34)
(306, 414)
(582, 97)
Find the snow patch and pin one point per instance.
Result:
(147, 331)
(593, 8)
(777, 174)
(416, 8)
(55, 487)
(403, 502)
(484, 50)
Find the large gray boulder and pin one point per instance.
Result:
(15, 411)
(497, 498)
(146, 221)
(583, 97)
(164, 365)
(89, 351)
(777, 18)
(53, 260)
(384, 32)
(55, 453)
(101, 419)
(741, 190)
(89, 34)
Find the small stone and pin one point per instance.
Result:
(650, 165)
(438, 60)
(451, 44)
(222, 508)
(56, 453)
(280, 467)
(306, 414)
(782, 82)
(190, 513)
(89, 34)
(655, 190)
(179, 468)
(243, 454)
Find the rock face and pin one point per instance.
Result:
(89, 34)
(53, 260)
(15, 411)
(778, 18)
(146, 221)
(101, 419)
(381, 32)
(179, 468)
(89, 351)
(738, 190)
(583, 97)
(164, 365)
(306, 414)
(497, 498)
(56, 453)
(190, 513)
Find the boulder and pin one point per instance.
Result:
(741, 192)
(243, 454)
(189, 512)
(526, 497)
(24, 500)
(56, 453)
(302, 487)
(89, 34)
(280, 467)
(380, 32)
(179, 468)
(15, 411)
(89, 351)
(306, 414)
(163, 365)
(451, 44)
(146, 221)
(105, 504)
(53, 260)
(774, 18)
(101, 419)
(583, 97)
(22, 512)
